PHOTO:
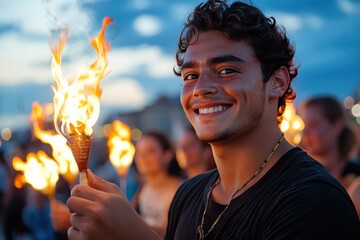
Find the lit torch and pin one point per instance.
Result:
(77, 105)
(39, 170)
(292, 124)
(121, 149)
(61, 152)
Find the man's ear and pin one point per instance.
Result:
(279, 82)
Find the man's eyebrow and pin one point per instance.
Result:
(215, 60)
(225, 58)
(188, 65)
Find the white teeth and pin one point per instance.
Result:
(212, 109)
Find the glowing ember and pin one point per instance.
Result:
(39, 170)
(292, 124)
(121, 149)
(61, 152)
(77, 105)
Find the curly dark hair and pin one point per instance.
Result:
(241, 21)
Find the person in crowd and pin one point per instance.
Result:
(59, 212)
(15, 199)
(328, 137)
(161, 177)
(36, 215)
(354, 192)
(194, 156)
(237, 68)
(4, 181)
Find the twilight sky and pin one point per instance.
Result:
(144, 37)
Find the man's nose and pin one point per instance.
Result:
(205, 85)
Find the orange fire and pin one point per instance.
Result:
(61, 152)
(120, 146)
(77, 102)
(292, 124)
(77, 105)
(39, 170)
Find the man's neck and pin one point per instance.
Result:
(236, 165)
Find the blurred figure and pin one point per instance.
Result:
(328, 138)
(60, 218)
(4, 187)
(36, 215)
(59, 212)
(354, 188)
(15, 198)
(4, 181)
(193, 156)
(161, 175)
(354, 192)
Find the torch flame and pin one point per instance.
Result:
(121, 149)
(39, 170)
(77, 105)
(292, 125)
(61, 152)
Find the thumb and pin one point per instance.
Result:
(101, 184)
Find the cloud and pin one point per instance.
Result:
(140, 4)
(125, 92)
(28, 15)
(291, 22)
(314, 22)
(147, 25)
(23, 62)
(295, 22)
(28, 48)
(144, 58)
(349, 7)
(180, 11)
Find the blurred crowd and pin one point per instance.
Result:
(161, 164)
(150, 183)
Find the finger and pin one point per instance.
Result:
(101, 184)
(73, 233)
(79, 205)
(76, 221)
(87, 193)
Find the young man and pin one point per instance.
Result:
(237, 68)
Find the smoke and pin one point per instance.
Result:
(74, 15)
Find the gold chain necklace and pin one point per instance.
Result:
(200, 229)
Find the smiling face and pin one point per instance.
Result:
(223, 91)
(150, 158)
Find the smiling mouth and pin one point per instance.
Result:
(212, 109)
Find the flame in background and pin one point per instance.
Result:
(39, 170)
(61, 152)
(120, 147)
(292, 124)
(77, 105)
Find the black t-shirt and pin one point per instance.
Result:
(296, 199)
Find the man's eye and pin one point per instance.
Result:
(190, 76)
(227, 71)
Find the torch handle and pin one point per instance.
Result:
(83, 178)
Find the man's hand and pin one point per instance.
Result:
(102, 211)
